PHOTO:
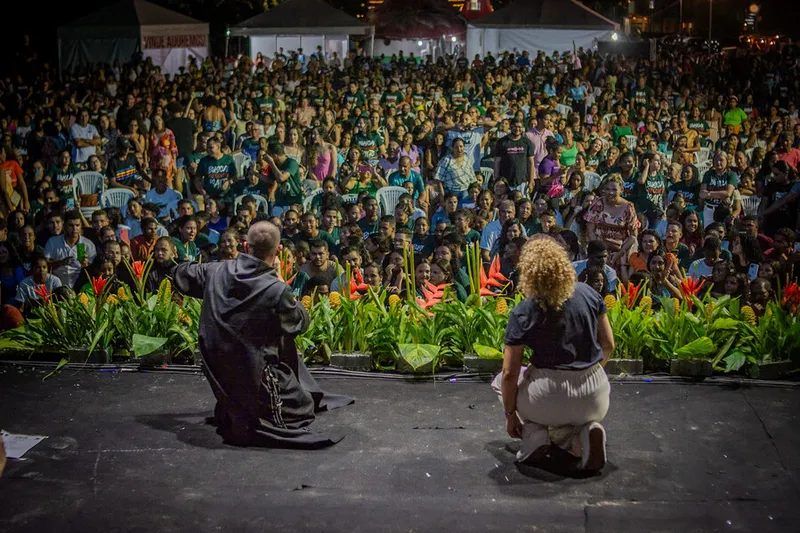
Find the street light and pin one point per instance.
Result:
(710, 16)
(453, 38)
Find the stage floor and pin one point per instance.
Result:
(132, 452)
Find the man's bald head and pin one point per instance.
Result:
(263, 239)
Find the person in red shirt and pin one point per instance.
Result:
(786, 152)
(142, 245)
(13, 190)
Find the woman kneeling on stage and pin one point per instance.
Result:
(561, 398)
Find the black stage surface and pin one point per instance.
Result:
(131, 452)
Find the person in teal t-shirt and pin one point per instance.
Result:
(287, 173)
(216, 172)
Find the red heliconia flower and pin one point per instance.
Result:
(42, 292)
(630, 292)
(138, 269)
(356, 287)
(433, 294)
(691, 287)
(791, 296)
(494, 279)
(98, 284)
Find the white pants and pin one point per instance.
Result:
(554, 405)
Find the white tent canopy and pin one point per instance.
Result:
(532, 25)
(117, 32)
(305, 24)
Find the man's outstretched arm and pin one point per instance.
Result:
(190, 278)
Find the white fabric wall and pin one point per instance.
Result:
(406, 45)
(171, 59)
(484, 40)
(269, 44)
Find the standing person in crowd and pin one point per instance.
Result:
(85, 138)
(717, 187)
(514, 159)
(455, 171)
(613, 220)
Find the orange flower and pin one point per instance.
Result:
(791, 296)
(98, 284)
(138, 269)
(630, 292)
(42, 292)
(691, 287)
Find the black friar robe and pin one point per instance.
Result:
(265, 394)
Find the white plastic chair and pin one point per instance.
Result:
(703, 167)
(633, 140)
(87, 182)
(242, 162)
(608, 116)
(488, 174)
(388, 197)
(309, 199)
(591, 181)
(750, 205)
(703, 155)
(349, 198)
(261, 202)
(563, 110)
(116, 198)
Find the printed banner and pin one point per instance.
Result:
(173, 41)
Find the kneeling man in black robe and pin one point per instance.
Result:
(265, 394)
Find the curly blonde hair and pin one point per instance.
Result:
(546, 273)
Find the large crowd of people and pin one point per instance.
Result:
(642, 170)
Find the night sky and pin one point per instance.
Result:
(43, 21)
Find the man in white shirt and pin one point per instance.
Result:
(63, 250)
(597, 256)
(85, 138)
(505, 211)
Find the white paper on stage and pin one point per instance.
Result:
(18, 445)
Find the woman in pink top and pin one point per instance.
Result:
(320, 157)
(410, 150)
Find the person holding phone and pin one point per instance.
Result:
(70, 252)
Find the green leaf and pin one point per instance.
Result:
(487, 352)
(58, 367)
(725, 323)
(418, 355)
(696, 349)
(735, 361)
(144, 345)
(724, 349)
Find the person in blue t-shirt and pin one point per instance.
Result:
(404, 174)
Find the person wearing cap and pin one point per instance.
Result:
(734, 116)
(123, 171)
